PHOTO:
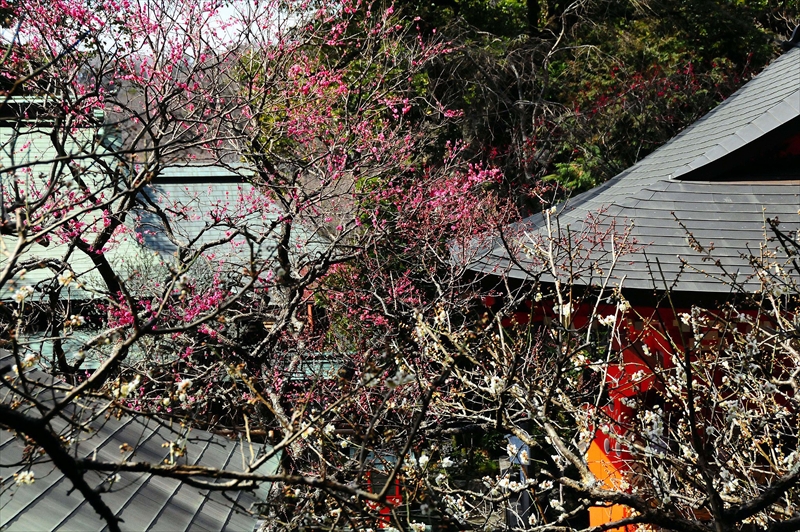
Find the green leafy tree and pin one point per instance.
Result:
(575, 92)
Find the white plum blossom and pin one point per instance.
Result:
(456, 507)
(653, 425)
(447, 462)
(26, 477)
(183, 385)
(496, 384)
(129, 387)
(75, 320)
(730, 487)
(329, 429)
(423, 461)
(607, 321)
(417, 527)
(22, 293)
(65, 278)
(564, 310)
(440, 318)
(512, 450)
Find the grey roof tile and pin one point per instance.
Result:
(657, 190)
(196, 197)
(145, 502)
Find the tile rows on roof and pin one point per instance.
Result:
(145, 502)
(662, 209)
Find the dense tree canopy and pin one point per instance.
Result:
(574, 92)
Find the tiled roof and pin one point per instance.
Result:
(687, 187)
(193, 195)
(29, 145)
(125, 251)
(192, 204)
(145, 502)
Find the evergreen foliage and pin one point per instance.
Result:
(596, 85)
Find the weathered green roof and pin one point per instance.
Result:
(28, 160)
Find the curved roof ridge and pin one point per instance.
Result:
(768, 101)
(780, 113)
(681, 190)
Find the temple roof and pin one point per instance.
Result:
(144, 501)
(694, 209)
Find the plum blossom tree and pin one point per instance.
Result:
(323, 306)
(696, 409)
(320, 113)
